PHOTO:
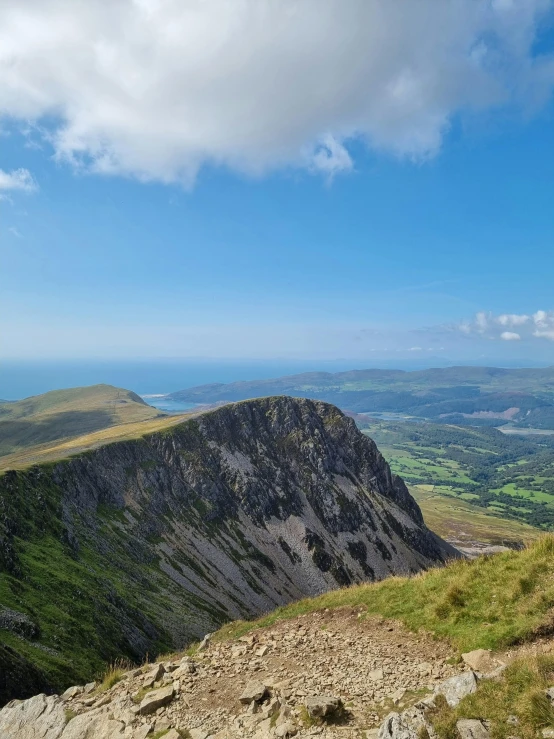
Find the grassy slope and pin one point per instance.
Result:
(489, 602)
(76, 445)
(45, 420)
(458, 520)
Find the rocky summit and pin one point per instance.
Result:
(328, 674)
(141, 546)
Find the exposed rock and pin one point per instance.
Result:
(39, 717)
(550, 694)
(406, 725)
(18, 623)
(198, 734)
(480, 660)
(204, 643)
(457, 687)
(286, 729)
(72, 692)
(226, 515)
(172, 734)
(156, 699)
(472, 729)
(142, 732)
(253, 692)
(321, 706)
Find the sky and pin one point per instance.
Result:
(292, 179)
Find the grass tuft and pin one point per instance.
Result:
(520, 694)
(112, 676)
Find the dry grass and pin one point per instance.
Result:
(113, 675)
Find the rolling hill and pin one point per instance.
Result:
(34, 425)
(463, 395)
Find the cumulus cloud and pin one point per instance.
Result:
(538, 325)
(18, 179)
(155, 89)
(510, 336)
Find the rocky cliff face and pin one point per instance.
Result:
(144, 545)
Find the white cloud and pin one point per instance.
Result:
(510, 336)
(15, 232)
(155, 89)
(539, 325)
(18, 179)
(512, 319)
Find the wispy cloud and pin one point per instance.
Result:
(17, 179)
(15, 232)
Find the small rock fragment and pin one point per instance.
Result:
(254, 691)
(72, 692)
(286, 729)
(469, 728)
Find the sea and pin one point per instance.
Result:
(148, 378)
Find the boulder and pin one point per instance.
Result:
(172, 734)
(154, 674)
(457, 687)
(406, 725)
(40, 717)
(142, 732)
(254, 691)
(156, 699)
(469, 728)
(94, 725)
(286, 729)
(480, 660)
(550, 694)
(198, 734)
(72, 692)
(321, 706)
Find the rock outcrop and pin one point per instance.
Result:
(313, 679)
(144, 545)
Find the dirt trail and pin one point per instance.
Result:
(373, 665)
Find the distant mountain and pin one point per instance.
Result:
(142, 545)
(463, 395)
(65, 414)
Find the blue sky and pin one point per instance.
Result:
(424, 228)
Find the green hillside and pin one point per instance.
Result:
(467, 395)
(65, 414)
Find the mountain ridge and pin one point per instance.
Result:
(142, 545)
(462, 395)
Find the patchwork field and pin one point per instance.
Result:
(472, 481)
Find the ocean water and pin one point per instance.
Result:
(149, 377)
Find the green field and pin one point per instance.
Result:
(474, 471)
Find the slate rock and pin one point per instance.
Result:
(320, 706)
(254, 691)
(469, 728)
(156, 699)
(457, 687)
